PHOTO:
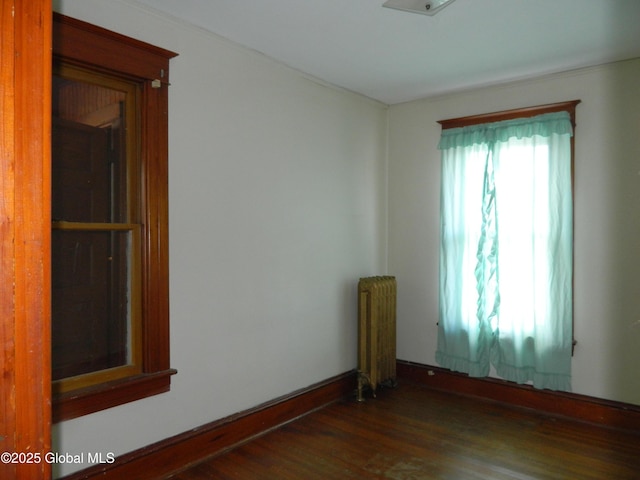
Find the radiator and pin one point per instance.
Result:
(376, 333)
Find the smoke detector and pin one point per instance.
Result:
(425, 7)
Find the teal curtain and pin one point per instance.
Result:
(506, 250)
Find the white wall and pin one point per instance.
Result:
(277, 207)
(607, 217)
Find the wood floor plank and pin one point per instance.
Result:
(414, 433)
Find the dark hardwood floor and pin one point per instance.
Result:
(413, 432)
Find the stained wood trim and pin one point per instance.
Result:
(83, 401)
(570, 405)
(25, 288)
(178, 452)
(155, 234)
(88, 46)
(526, 112)
(78, 41)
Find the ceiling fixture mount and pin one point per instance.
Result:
(425, 7)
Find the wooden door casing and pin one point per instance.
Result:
(25, 236)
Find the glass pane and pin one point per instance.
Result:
(88, 152)
(91, 301)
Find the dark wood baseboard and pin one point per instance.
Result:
(178, 452)
(570, 405)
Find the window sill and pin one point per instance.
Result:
(83, 401)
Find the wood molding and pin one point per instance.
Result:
(570, 405)
(86, 44)
(25, 287)
(98, 50)
(80, 402)
(525, 112)
(178, 452)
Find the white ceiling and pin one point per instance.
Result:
(394, 56)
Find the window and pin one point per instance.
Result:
(110, 315)
(506, 245)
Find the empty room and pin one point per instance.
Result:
(347, 239)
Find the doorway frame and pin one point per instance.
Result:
(25, 235)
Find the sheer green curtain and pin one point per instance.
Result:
(506, 250)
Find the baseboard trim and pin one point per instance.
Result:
(570, 405)
(176, 453)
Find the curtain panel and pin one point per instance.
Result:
(506, 250)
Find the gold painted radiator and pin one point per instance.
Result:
(376, 333)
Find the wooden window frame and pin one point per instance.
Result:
(87, 46)
(127, 222)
